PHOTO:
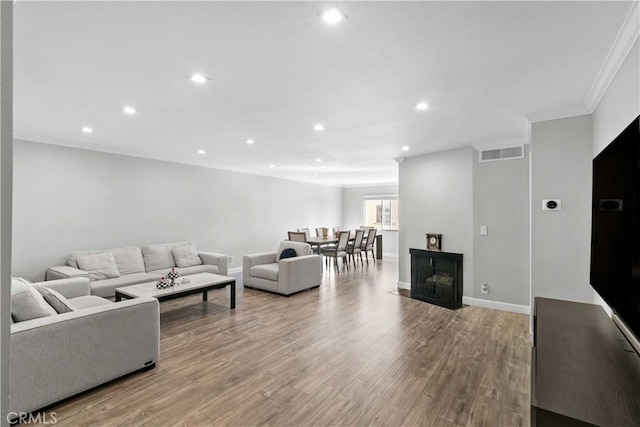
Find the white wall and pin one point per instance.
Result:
(501, 202)
(353, 213)
(67, 199)
(620, 104)
(561, 156)
(436, 196)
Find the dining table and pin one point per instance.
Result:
(319, 241)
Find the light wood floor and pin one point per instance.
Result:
(352, 352)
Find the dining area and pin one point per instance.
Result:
(339, 246)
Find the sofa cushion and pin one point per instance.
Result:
(88, 301)
(100, 266)
(186, 256)
(107, 288)
(300, 248)
(128, 259)
(185, 271)
(265, 271)
(56, 300)
(157, 257)
(27, 303)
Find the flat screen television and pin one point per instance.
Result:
(615, 226)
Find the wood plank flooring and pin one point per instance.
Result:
(350, 353)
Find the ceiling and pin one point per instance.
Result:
(276, 69)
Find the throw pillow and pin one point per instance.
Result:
(27, 303)
(287, 253)
(59, 303)
(99, 266)
(157, 257)
(186, 256)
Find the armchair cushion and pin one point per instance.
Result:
(100, 266)
(265, 271)
(70, 288)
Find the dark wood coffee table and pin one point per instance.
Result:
(198, 283)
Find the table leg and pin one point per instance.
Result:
(233, 295)
(205, 295)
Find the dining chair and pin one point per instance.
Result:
(354, 248)
(298, 236)
(319, 231)
(367, 245)
(338, 251)
(306, 232)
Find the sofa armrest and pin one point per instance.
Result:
(213, 258)
(298, 273)
(58, 356)
(69, 288)
(250, 260)
(64, 272)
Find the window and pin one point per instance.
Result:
(381, 212)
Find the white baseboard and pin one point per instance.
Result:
(235, 270)
(496, 305)
(404, 285)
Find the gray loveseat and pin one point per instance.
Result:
(109, 269)
(60, 355)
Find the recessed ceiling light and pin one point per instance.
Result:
(421, 106)
(318, 160)
(199, 78)
(272, 165)
(129, 110)
(319, 127)
(250, 141)
(201, 151)
(406, 148)
(87, 129)
(333, 16)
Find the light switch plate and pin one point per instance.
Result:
(483, 230)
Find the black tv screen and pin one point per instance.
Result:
(615, 226)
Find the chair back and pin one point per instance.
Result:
(318, 231)
(343, 240)
(306, 232)
(357, 242)
(298, 236)
(371, 236)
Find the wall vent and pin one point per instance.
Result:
(507, 153)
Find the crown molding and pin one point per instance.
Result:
(560, 114)
(621, 47)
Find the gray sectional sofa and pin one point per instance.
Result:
(109, 269)
(59, 355)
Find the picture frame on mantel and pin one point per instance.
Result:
(434, 242)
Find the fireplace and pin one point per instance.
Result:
(436, 277)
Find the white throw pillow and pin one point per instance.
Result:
(157, 257)
(27, 303)
(186, 256)
(99, 266)
(55, 299)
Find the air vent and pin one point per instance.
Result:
(502, 154)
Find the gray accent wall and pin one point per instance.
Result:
(436, 196)
(501, 203)
(66, 199)
(561, 156)
(353, 213)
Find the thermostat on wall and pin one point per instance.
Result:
(551, 204)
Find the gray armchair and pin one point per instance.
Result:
(267, 271)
